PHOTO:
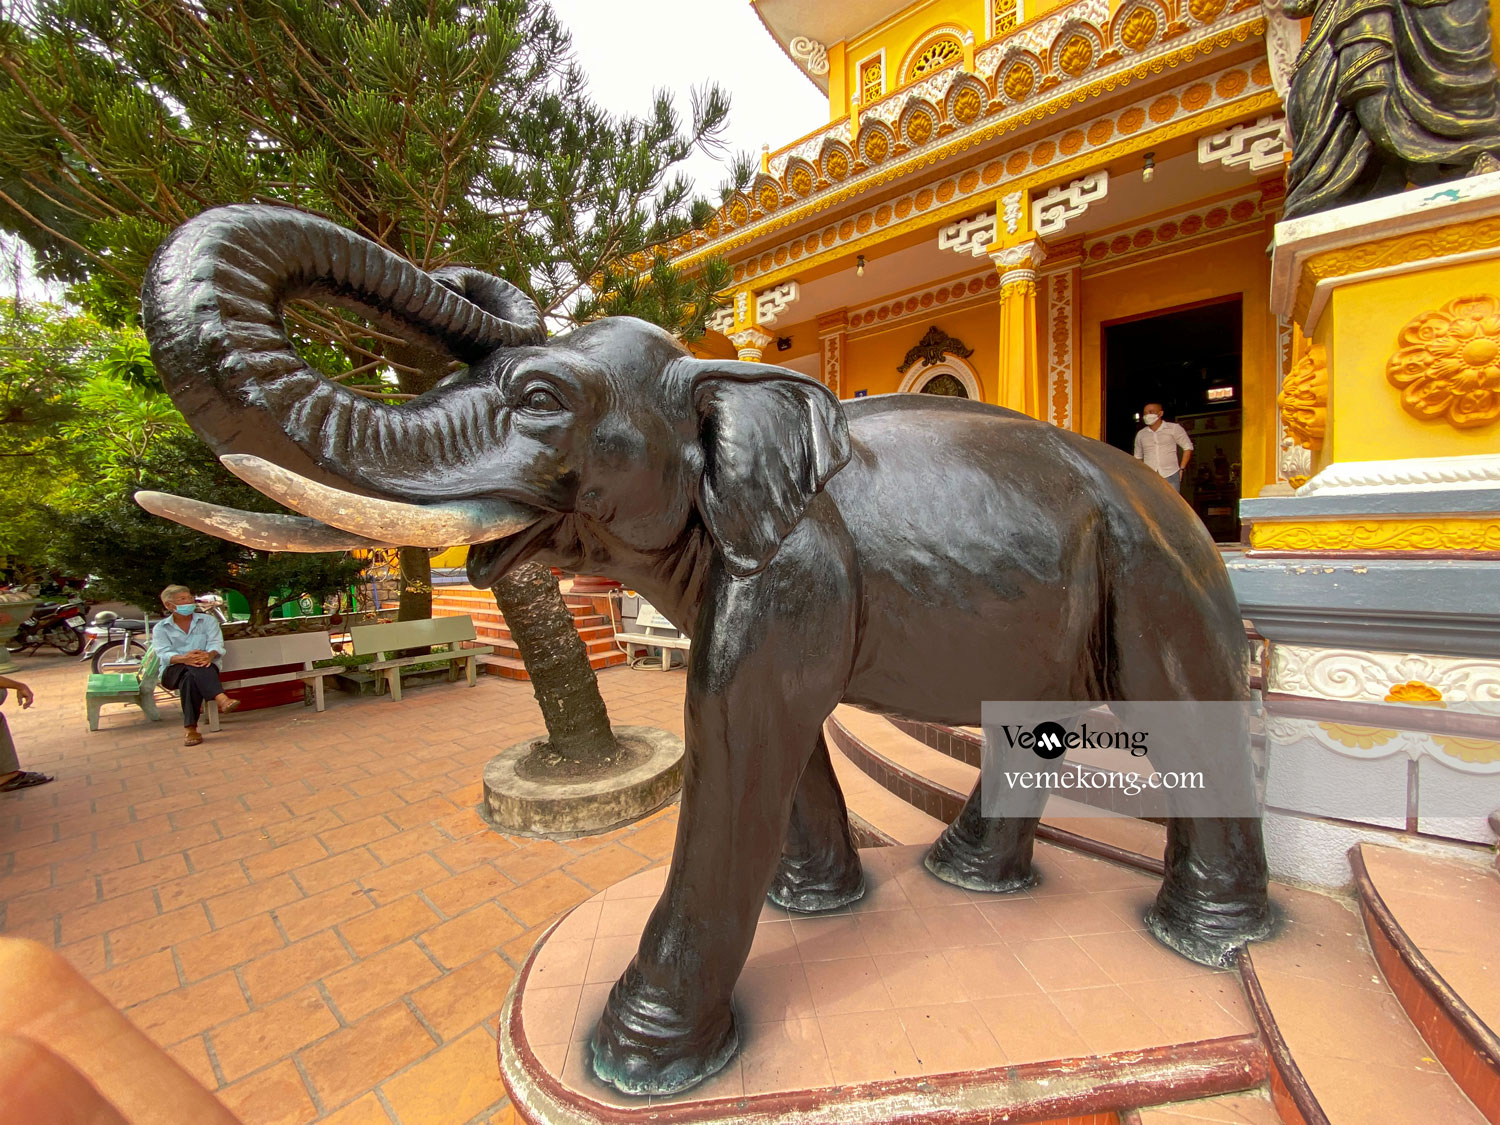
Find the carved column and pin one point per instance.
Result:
(833, 334)
(1060, 289)
(751, 343)
(1020, 368)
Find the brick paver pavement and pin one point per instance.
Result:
(305, 910)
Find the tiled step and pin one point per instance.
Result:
(1434, 925)
(1343, 1052)
(938, 781)
(878, 815)
(1252, 1107)
(593, 628)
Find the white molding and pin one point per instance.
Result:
(1358, 676)
(723, 320)
(770, 304)
(751, 343)
(810, 53)
(924, 373)
(1064, 203)
(1256, 146)
(969, 236)
(1357, 478)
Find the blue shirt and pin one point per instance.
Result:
(203, 632)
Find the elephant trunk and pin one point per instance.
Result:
(213, 308)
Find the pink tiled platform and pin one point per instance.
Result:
(921, 992)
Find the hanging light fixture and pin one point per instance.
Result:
(1148, 170)
(859, 266)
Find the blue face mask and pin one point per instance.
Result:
(183, 610)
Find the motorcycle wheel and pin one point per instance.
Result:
(67, 641)
(119, 652)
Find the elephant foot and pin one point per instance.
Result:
(1210, 933)
(643, 1046)
(810, 888)
(963, 864)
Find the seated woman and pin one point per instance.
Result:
(187, 643)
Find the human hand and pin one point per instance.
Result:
(23, 693)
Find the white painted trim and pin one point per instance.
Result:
(919, 376)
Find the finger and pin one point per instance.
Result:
(45, 999)
(37, 1085)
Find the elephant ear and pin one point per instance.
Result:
(770, 440)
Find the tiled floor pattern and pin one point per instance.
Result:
(918, 978)
(1451, 913)
(305, 910)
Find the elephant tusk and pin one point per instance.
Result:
(264, 531)
(447, 524)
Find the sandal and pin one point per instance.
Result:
(192, 738)
(232, 705)
(23, 780)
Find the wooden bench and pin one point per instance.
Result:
(137, 689)
(649, 617)
(382, 640)
(293, 654)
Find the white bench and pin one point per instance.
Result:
(382, 640)
(272, 652)
(647, 617)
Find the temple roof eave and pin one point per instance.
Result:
(773, 203)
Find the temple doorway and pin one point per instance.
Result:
(1189, 360)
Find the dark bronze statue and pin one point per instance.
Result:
(910, 554)
(1386, 93)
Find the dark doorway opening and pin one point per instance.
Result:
(1189, 361)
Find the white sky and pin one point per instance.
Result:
(630, 49)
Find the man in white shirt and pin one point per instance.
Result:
(1157, 445)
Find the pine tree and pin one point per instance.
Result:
(447, 132)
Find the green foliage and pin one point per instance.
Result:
(134, 554)
(446, 131)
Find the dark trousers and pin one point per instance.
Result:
(194, 685)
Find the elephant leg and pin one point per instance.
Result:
(820, 868)
(1213, 897)
(752, 721)
(985, 853)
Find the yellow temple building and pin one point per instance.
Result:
(1063, 208)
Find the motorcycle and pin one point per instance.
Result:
(116, 643)
(60, 625)
(119, 644)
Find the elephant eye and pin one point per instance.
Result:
(541, 400)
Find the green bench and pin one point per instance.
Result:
(137, 689)
(383, 640)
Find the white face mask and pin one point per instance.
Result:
(1152, 419)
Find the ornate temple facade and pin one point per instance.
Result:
(1063, 208)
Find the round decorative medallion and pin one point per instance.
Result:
(1132, 119)
(837, 165)
(1071, 142)
(1101, 131)
(1139, 28)
(919, 128)
(1196, 96)
(1231, 84)
(738, 212)
(1043, 153)
(768, 198)
(1162, 108)
(1447, 366)
(801, 181)
(876, 147)
(1205, 10)
(1076, 55)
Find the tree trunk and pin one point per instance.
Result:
(565, 685)
(416, 585)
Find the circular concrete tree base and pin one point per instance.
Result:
(524, 797)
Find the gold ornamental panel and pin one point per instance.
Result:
(1447, 363)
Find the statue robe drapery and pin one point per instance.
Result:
(1388, 92)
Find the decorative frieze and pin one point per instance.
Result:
(1354, 675)
(1062, 328)
(920, 300)
(969, 236)
(1213, 219)
(1258, 147)
(1064, 203)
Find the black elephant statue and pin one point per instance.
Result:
(910, 554)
